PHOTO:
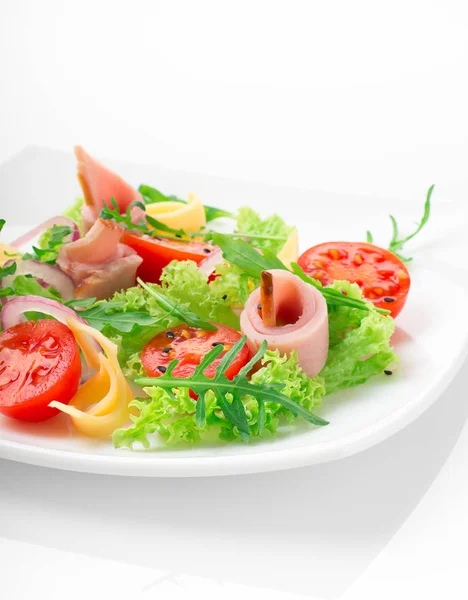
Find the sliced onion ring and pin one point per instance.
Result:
(48, 275)
(208, 264)
(30, 235)
(13, 312)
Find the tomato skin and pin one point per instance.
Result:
(189, 345)
(159, 252)
(39, 362)
(382, 276)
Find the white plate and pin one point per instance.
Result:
(432, 336)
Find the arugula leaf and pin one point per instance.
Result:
(229, 393)
(2, 223)
(101, 315)
(26, 285)
(113, 214)
(251, 262)
(10, 270)
(396, 244)
(81, 302)
(152, 195)
(175, 309)
(55, 240)
(212, 213)
(243, 255)
(8, 291)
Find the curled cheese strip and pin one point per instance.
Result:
(189, 217)
(101, 404)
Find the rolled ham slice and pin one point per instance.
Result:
(98, 263)
(301, 321)
(100, 185)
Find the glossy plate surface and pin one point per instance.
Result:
(431, 339)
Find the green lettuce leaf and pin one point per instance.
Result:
(183, 282)
(359, 342)
(248, 221)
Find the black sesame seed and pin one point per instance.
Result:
(167, 350)
(225, 297)
(162, 369)
(158, 239)
(207, 250)
(217, 344)
(178, 235)
(170, 335)
(259, 307)
(388, 372)
(387, 299)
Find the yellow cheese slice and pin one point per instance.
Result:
(189, 217)
(290, 251)
(5, 250)
(101, 404)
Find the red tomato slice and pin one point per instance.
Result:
(159, 252)
(39, 362)
(189, 345)
(382, 277)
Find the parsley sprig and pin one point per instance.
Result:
(229, 393)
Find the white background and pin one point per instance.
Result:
(359, 97)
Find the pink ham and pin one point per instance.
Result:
(98, 263)
(100, 185)
(301, 317)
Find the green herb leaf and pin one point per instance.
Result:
(212, 213)
(396, 244)
(9, 270)
(2, 223)
(369, 237)
(8, 291)
(55, 239)
(152, 195)
(175, 309)
(81, 302)
(26, 285)
(229, 393)
(243, 255)
(101, 315)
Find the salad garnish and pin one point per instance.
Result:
(230, 336)
(396, 244)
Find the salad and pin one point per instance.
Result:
(136, 317)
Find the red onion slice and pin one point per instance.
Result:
(27, 237)
(13, 312)
(48, 276)
(208, 264)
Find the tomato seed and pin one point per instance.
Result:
(358, 260)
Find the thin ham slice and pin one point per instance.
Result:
(98, 263)
(100, 185)
(301, 321)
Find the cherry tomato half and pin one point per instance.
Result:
(382, 277)
(159, 252)
(39, 362)
(189, 345)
